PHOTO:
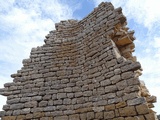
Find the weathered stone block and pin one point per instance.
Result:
(109, 107)
(90, 115)
(61, 118)
(83, 116)
(115, 79)
(151, 116)
(9, 118)
(122, 85)
(109, 115)
(127, 75)
(17, 106)
(136, 101)
(2, 113)
(121, 104)
(74, 117)
(142, 109)
(30, 104)
(127, 111)
(61, 95)
(43, 103)
(111, 88)
(99, 115)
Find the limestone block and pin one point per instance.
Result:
(124, 41)
(121, 104)
(57, 102)
(109, 115)
(46, 118)
(83, 116)
(151, 116)
(74, 117)
(136, 101)
(17, 106)
(105, 82)
(29, 116)
(9, 118)
(36, 98)
(127, 111)
(111, 88)
(38, 114)
(43, 103)
(115, 79)
(21, 117)
(25, 110)
(6, 107)
(121, 85)
(151, 99)
(30, 104)
(90, 115)
(87, 93)
(111, 63)
(130, 96)
(142, 109)
(67, 101)
(61, 118)
(114, 100)
(119, 118)
(47, 97)
(16, 112)
(127, 75)
(2, 113)
(99, 115)
(61, 95)
(109, 107)
(49, 108)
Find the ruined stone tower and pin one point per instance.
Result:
(84, 71)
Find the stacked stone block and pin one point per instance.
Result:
(84, 71)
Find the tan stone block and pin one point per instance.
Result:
(29, 116)
(83, 116)
(132, 118)
(141, 117)
(82, 110)
(109, 115)
(116, 113)
(20, 117)
(109, 107)
(38, 114)
(142, 109)
(150, 105)
(98, 109)
(46, 118)
(74, 117)
(9, 118)
(124, 41)
(121, 104)
(151, 99)
(151, 116)
(99, 115)
(119, 118)
(127, 111)
(61, 118)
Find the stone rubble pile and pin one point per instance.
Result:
(84, 71)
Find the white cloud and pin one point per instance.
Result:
(24, 25)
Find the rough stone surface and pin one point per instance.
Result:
(84, 71)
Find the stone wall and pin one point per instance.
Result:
(84, 71)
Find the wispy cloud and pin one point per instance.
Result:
(23, 26)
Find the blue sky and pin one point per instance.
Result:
(24, 24)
